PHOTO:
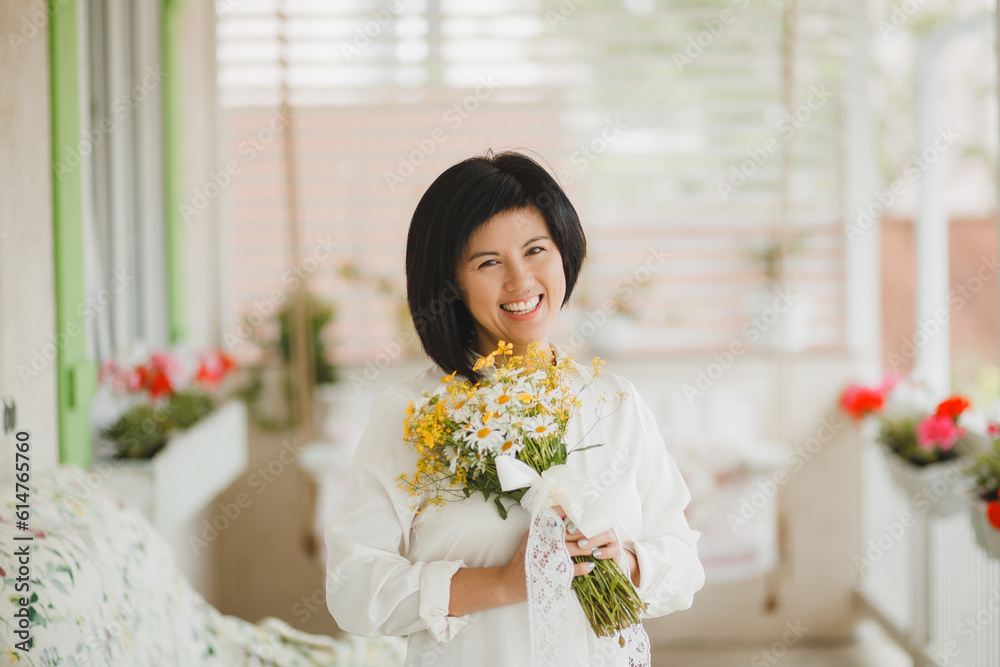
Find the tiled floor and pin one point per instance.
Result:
(871, 648)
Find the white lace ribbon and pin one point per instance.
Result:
(548, 567)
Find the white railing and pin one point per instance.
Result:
(924, 578)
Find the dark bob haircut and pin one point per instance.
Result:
(457, 203)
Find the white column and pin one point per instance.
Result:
(931, 338)
(863, 289)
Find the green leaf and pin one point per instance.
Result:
(501, 508)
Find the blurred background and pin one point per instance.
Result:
(781, 197)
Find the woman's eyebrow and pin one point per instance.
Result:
(534, 239)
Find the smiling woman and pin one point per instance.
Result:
(493, 252)
(489, 236)
(514, 288)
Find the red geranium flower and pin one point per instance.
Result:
(952, 407)
(858, 401)
(213, 367)
(993, 513)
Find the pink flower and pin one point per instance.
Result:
(994, 429)
(938, 431)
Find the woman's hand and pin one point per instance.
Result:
(600, 546)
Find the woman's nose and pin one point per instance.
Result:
(518, 277)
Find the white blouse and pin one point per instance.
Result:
(389, 570)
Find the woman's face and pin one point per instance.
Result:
(512, 280)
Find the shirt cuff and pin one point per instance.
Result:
(657, 593)
(435, 598)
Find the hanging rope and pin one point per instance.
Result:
(300, 340)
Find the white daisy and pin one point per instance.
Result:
(539, 427)
(499, 399)
(482, 436)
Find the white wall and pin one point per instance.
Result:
(27, 285)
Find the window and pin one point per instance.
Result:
(699, 142)
(120, 154)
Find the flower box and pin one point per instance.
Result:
(188, 473)
(987, 536)
(937, 488)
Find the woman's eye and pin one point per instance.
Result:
(488, 262)
(538, 248)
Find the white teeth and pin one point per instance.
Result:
(522, 306)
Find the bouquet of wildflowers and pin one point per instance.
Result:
(471, 435)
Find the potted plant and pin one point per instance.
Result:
(268, 391)
(175, 441)
(983, 501)
(923, 442)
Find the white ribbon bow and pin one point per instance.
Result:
(558, 485)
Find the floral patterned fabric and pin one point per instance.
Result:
(105, 591)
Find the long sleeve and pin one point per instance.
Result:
(670, 572)
(371, 588)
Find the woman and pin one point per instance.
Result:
(493, 253)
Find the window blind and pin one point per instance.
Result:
(687, 134)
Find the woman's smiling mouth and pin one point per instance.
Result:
(521, 310)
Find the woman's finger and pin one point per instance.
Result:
(582, 569)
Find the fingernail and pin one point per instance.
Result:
(597, 553)
(582, 543)
(590, 565)
(571, 528)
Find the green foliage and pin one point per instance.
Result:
(900, 436)
(986, 472)
(143, 430)
(319, 313)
